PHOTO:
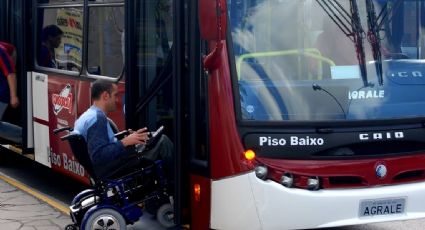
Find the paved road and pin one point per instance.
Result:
(394, 225)
(18, 210)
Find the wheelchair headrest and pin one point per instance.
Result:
(79, 149)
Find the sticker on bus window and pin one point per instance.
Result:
(345, 72)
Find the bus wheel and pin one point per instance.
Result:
(165, 216)
(105, 218)
(71, 227)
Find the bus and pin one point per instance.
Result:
(284, 114)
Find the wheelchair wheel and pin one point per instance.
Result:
(165, 216)
(71, 227)
(152, 205)
(105, 218)
(151, 208)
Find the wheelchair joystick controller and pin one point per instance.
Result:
(153, 140)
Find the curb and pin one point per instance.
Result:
(55, 204)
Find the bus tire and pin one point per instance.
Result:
(165, 216)
(105, 218)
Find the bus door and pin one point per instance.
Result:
(165, 86)
(14, 30)
(151, 87)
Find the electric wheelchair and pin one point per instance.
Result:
(116, 200)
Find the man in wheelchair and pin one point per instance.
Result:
(123, 178)
(106, 151)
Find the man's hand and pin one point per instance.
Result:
(136, 137)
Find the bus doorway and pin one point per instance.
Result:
(13, 129)
(165, 86)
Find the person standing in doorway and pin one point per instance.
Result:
(8, 92)
(8, 88)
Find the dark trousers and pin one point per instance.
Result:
(133, 161)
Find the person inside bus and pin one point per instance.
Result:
(107, 152)
(51, 38)
(334, 44)
(8, 90)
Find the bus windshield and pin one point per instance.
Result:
(326, 60)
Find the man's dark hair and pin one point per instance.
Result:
(50, 31)
(100, 86)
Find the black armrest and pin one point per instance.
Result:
(55, 131)
(70, 136)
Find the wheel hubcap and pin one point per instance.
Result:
(106, 222)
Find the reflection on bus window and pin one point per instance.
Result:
(284, 48)
(154, 40)
(75, 1)
(60, 38)
(104, 1)
(51, 38)
(105, 56)
(154, 37)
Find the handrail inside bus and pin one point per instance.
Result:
(309, 52)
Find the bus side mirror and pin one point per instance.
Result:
(213, 26)
(212, 19)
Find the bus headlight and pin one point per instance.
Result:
(261, 172)
(287, 180)
(313, 183)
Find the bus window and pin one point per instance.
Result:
(60, 38)
(105, 1)
(409, 38)
(154, 39)
(106, 25)
(59, 1)
(159, 110)
(153, 54)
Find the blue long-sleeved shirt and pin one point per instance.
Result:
(104, 149)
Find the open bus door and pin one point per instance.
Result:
(14, 30)
(153, 51)
(165, 85)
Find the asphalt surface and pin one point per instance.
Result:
(19, 210)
